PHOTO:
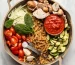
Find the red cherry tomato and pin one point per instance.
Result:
(8, 43)
(13, 42)
(8, 33)
(20, 45)
(15, 52)
(21, 53)
(23, 37)
(18, 36)
(21, 59)
(15, 38)
(12, 30)
(54, 24)
(14, 48)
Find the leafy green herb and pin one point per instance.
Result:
(28, 20)
(23, 29)
(8, 23)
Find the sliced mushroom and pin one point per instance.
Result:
(30, 58)
(55, 7)
(39, 15)
(27, 52)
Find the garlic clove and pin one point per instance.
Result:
(27, 52)
(30, 58)
(39, 15)
(55, 6)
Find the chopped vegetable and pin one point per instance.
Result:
(61, 49)
(50, 48)
(54, 50)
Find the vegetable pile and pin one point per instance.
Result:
(20, 25)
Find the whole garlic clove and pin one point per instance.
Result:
(55, 7)
(30, 58)
(60, 12)
(39, 15)
(27, 52)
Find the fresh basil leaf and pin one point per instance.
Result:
(8, 23)
(28, 20)
(23, 29)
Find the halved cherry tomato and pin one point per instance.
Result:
(21, 53)
(12, 30)
(23, 37)
(8, 33)
(18, 36)
(20, 45)
(54, 24)
(8, 43)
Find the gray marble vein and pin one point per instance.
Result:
(69, 59)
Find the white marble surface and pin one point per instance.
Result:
(69, 59)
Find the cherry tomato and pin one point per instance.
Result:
(21, 59)
(15, 52)
(8, 33)
(54, 24)
(14, 48)
(21, 53)
(8, 43)
(23, 37)
(15, 38)
(20, 45)
(12, 30)
(13, 42)
(18, 36)
(20, 41)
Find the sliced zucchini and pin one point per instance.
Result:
(65, 43)
(54, 50)
(61, 49)
(50, 48)
(52, 43)
(66, 36)
(50, 57)
(55, 54)
(57, 43)
(48, 37)
(62, 34)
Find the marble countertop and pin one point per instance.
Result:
(69, 59)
